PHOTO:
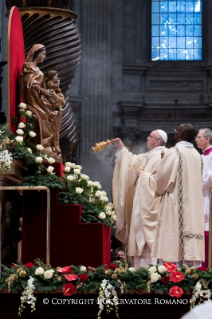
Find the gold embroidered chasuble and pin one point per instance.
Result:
(180, 228)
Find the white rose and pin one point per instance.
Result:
(52, 270)
(50, 169)
(114, 218)
(22, 106)
(108, 212)
(98, 194)
(32, 134)
(70, 178)
(82, 268)
(132, 269)
(48, 274)
(29, 150)
(78, 167)
(97, 184)
(20, 132)
(104, 198)
(161, 269)
(67, 169)
(154, 277)
(19, 139)
(152, 269)
(68, 164)
(38, 159)
(85, 177)
(29, 113)
(76, 171)
(90, 183)
(79, 190)
(39, 147)
(39, 271)
(21, 125)
(104, 193)
(109, 206)
(51, 160)
(102, 215)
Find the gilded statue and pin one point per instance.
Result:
(44, 98)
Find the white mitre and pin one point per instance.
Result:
(163, 135)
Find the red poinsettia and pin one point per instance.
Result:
(165, 280)
(71, 277)
(68, 290)
(169, 266)
(202, 269)
(29, 265)
(65, 270)
(83, 278)
(176, 276)
(113, 267)
(175, 291)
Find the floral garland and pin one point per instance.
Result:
(109, 280)
(75, 187)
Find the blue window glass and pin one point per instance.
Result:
(176, 30)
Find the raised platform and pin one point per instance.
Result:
(134, 306)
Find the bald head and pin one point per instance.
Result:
(185, 132)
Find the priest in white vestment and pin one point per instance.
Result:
(204, 142)
(177, 181)
(128, 193)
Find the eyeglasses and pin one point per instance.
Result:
(153, 137)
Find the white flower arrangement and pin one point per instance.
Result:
(79, 190)
(90, 183)
(32, 134)
(97, 184)
(19, 131)
(102, 215)
(83, 268)
(85, 177)
(77, 171)
(67, 169)
(152, 269)
(27, 296)
(154, 277)
(39, 271)
(199, 293)
(107, 296)
(161, 269)
(48, 273)
(21, 125)
(38, 159)
(28, 113)
(51, 160)
(50, 169)
(39, 147)
(70, 178)
(22, 106)
(5, 160)
(19, 139)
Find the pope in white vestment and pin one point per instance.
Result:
(129, 192)
(177, 180)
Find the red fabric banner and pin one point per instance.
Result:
(15, 61)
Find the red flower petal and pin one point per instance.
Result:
(68, 290)
(83, 277)
(176, 276)
(65, 270)
(169, 266)
(175, 291)
(71, 277)
(202, 269)
(165, 280)
(29, 265)
(113, 267)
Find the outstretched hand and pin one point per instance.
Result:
(118, 143)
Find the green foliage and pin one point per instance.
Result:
(48, 180)
(20, 152)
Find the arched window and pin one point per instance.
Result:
(176, 30)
